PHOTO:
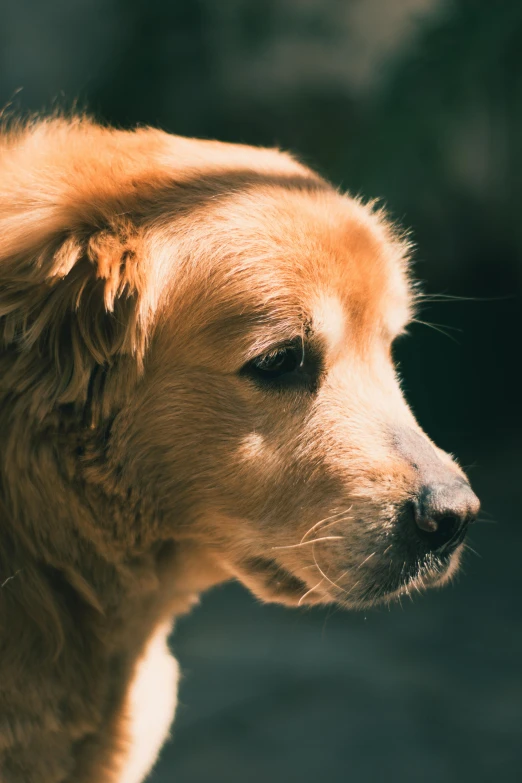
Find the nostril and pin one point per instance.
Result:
(442, 513)
(431, 521)
(424, 521)
(436, 531)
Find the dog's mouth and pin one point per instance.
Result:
(386, 584)
(384, 580)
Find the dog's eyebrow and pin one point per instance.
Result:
(256, 333)
(264, 339)
(329, 320)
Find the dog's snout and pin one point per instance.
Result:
(443, 511)
(442, 502)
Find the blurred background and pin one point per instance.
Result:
(418, 102)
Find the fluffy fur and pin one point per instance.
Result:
(140, 274)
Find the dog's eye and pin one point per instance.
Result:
(278, 362)
(284, 367)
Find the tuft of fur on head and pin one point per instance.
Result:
(73, 293)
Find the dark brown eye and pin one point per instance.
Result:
(278, 362)
(284, 367)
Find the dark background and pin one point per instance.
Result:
(418, 102)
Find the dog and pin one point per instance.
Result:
(196, 385)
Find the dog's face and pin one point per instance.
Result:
(232, 316)
(272, 421)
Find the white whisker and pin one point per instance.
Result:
(326, 519)
(365, 560)
(310, 591)
(353, 587)
(435, 327)
(313, 541)
(327, 577)
(335, 522)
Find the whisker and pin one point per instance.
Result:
(334, 522)
(327, 577)
(310, 591)
(420, 297)
(442, 326)
(326, 519)
(484, 513)
(352, 588)
(436, 328)
(365, 560)
(469, 548)
(312, 541)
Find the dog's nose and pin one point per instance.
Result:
(443, 503)
(443, 511)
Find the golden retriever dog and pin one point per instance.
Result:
(196, 384)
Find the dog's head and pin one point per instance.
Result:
(232, 317)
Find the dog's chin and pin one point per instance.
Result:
(273, 583)
(422, 575)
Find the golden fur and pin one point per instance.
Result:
(140, 273)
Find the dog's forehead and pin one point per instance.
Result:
(314, 256)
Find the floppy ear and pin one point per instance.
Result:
(73, 328)
(72, 308)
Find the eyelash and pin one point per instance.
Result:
(287, 366)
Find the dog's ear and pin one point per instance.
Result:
(73, 307)
(77, 293)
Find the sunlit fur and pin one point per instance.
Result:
(139, 272)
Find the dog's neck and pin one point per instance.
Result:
(82, 593)
(72, 526)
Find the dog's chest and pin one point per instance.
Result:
(150, 708)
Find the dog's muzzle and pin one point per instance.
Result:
(442, 504)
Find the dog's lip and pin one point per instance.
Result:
(420, 577)
(455, 541)
(276, 580)
(265, 575)
(276, 575)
